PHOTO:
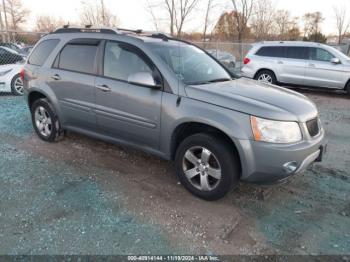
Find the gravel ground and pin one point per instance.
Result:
(82, 196)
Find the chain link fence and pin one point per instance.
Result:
(15, 46)
(230, 54)
(14, 49)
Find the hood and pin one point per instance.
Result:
(257, 99)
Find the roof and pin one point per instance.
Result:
(295, 43)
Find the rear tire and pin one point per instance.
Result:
(45, 121)
(17, 85)
(266, 76)
(213, 168)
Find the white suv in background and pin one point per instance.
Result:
(299, 64)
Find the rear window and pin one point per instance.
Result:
(272, 51)
(78, 58)
(42, 51)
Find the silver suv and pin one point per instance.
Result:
(172, 99)
(298, 63)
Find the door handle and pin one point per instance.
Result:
(56, 77)
(312, 65)
(103, 88)
(280, 62)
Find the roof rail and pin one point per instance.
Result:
(86, 29)
(137, 31)
(115, 31)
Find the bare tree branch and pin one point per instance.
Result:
(342, 23)
(18, 14)
(243, 11)
(97, 14)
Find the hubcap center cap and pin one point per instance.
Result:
(202, 168)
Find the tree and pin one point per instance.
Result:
(341, 22)
(176, 12)
(262, 19)
(17, 13)
(242, 14)
(282, 22)
(316, 37)
(48, 23)
(312, 25)
(224, 30)
(171, 11)
(209, 7)
(182, 13)
(287, 27)
(96, 14)
(150, 8)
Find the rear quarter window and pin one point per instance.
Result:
(42, 51)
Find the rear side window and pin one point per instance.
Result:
(42, 51)
(297, 52)
(78, 58)
(272, 51)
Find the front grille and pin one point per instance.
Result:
(313, 127)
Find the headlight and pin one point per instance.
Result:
(2, 73)
(275, 131)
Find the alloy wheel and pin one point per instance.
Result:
(43, 121)
(265, 78)
(18, 85)
(201, 168)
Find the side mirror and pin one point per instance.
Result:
(335, 61)
(144, 79)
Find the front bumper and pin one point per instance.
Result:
(268, 163)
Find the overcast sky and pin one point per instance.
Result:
(133, 13)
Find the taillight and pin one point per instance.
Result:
(246, 61)
(21, 74)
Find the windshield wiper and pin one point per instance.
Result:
(219, 80)
(209, 81)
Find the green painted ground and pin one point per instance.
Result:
(49, 207)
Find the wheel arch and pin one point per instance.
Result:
(347, 85)
(33, 96)
(265, 69)
(186, 129)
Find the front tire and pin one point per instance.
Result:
(17, 85)
(206, 166)
(347, 88)
(266, 76)
(45, 121)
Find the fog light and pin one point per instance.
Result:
(290, 167)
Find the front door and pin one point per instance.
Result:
(321, 72)
(126, 111)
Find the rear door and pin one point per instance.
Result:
(321, 72)
(126, 111)
(293, 65)
(73, 79)
(287, 62)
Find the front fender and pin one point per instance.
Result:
(235, 125)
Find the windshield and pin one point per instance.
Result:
(190, 64)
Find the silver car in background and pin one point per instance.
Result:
(299, 64)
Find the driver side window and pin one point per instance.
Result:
(122, 60)
(319, 54)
